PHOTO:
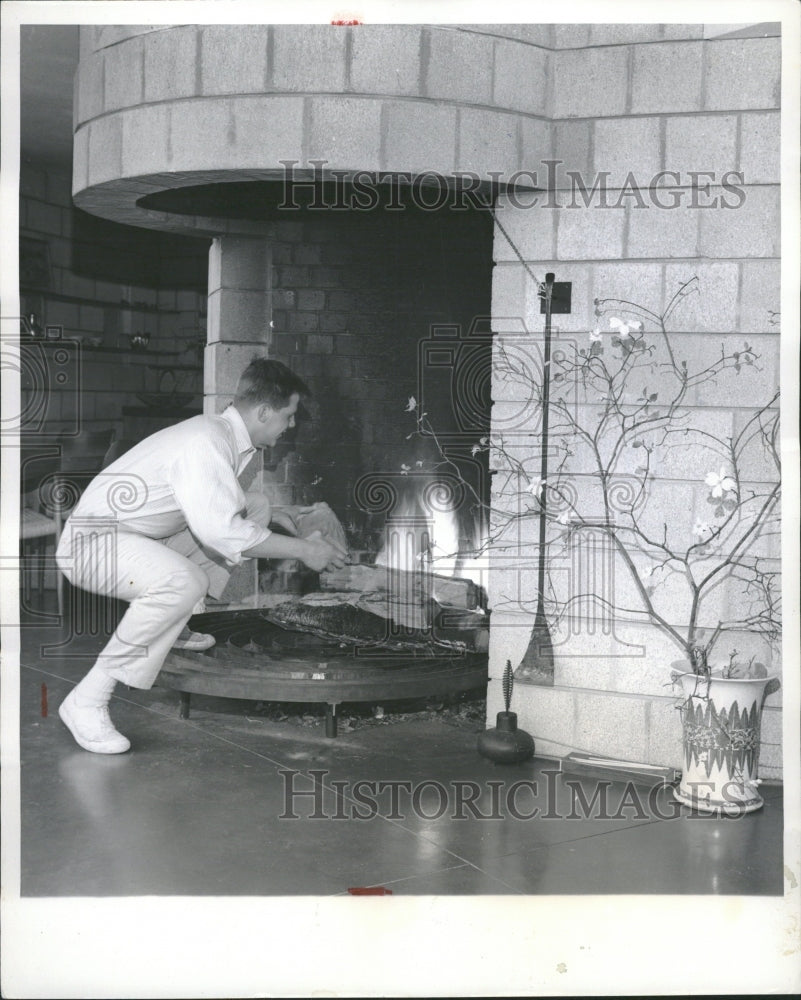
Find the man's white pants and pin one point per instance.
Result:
(162, 579)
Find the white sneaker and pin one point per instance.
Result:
(197, 641)
(91, 726)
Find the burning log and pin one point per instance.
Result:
(402, 587)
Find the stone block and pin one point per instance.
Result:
(571, 36)
(309, 57)
(624, 34)
(88, 89)
(233, 58)
(245, 264)
(60, 252)
(656, 232)
(346, 132)
(171, 63)
(531, 230)
(105, 149)
(385, 59)
(508, 294)
(419, 137)
(32, 182)
(590, 233)
(224, 363)
(536, 145)
(760, 296)
(311, 299)
(590, 82)
(326, 277)
(124, 75)
(612, 724)
(268, 130)
(714, 306)
(200, 135)
(487, 141)
(59, 192)
(664, 733)
(319, 344)
(459, 66)
(307, 254)
(521, 75)
(667, 77)
(760, 160)
(244, 316)
(624, 146)
(283, 298)
(509, 637)
(701, 143)
(637, 282)
(145, 132)
(43, 218)
(303, 322)
(770, 744)
(743, 73)
(750, 230)
(572, 145)
(295, 277)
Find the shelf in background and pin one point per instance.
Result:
(99, 303)
(127, 351)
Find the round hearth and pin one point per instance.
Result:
(255, 659)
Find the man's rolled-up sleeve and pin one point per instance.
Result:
(212, 501)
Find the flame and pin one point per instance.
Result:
(432, 542)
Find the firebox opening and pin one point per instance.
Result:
(385, 314)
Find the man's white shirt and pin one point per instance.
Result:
(184, 476)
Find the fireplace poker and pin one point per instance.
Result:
(537, 663)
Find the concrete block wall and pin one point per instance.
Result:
(90, 307)
(632, 101)
(158, 106)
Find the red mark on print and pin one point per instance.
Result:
(346, 20)
(372, 890)
(44, 701)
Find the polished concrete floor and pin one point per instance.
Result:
(203, 807)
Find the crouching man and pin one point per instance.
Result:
(163, 526)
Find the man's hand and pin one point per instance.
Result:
(322, 553)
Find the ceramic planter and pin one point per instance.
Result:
(721, 722)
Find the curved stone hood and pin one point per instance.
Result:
(159, 108)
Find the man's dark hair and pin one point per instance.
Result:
(267, 381)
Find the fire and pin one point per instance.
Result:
(432, 542)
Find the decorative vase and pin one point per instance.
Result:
(505, 743)
(721, 719)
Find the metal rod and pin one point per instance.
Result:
(183, 704)
(546, 395)
(330, 720)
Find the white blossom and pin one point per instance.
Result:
(720, 484)
(535, 487)
(411, 406)
(596, 335)
(624, 329)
